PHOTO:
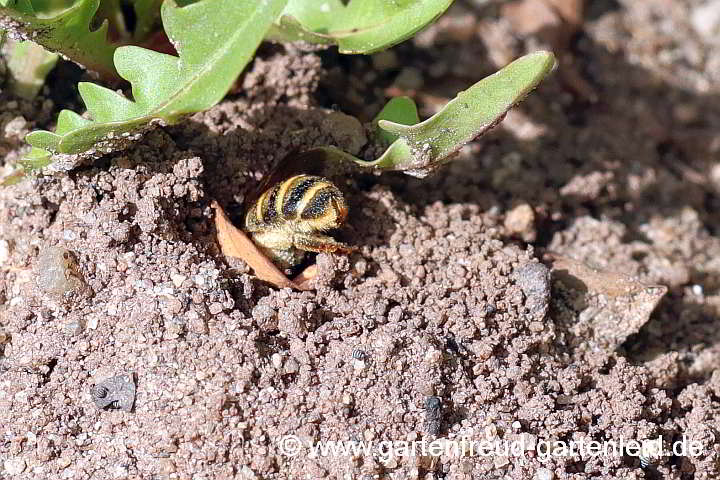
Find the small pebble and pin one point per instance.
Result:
(167, 466)
(54, 271)
(433, 415)
(520, 221)
(715, 177)
(705, 19)
(358, 354)
(405, 250)
(534, 280)
(266, 317)
(4, 251)
(501, 461)
(360, 268)
(358, 365)
(120, 471)
(177, 279)
(196, 323)
(536, 327)
(92, 322)
(16, 128)
(74, 328)
(247, 474)
(544, 474)
(173, 305)
(291, 366)
(14, 466)
(686, 113)
(433, 356)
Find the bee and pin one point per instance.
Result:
(287, 219)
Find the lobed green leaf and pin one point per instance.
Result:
(66, 31)
(357, 26)
(214, 39)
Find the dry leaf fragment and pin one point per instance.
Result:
(610, 306)
(234, 243)
(304, 279)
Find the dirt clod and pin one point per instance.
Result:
(433, 415)
(115, 392)
(534, 281)
(520, 222)
(55, 271)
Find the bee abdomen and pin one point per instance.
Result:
(310, 200)
(307, 197)
(318, 201)
(298, 187)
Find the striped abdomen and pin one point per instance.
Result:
(305, 202)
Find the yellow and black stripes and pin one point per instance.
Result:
(286, 219)
(302, 198)
(298, 188)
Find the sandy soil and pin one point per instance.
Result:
(558, 281)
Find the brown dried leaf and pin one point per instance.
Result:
(610, 306)
(234, 243)
(304, 279)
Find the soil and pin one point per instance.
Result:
(559, 280)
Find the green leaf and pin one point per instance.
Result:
(23, 6)
(399, 110)
(420, 148)
(35, 160)
(215, 39)
(147, 14)
(467, 116)
(111, 10)
(28, 66)
(356, 26)
(67, 32)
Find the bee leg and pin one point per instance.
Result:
(320, 243)
(278, 247)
